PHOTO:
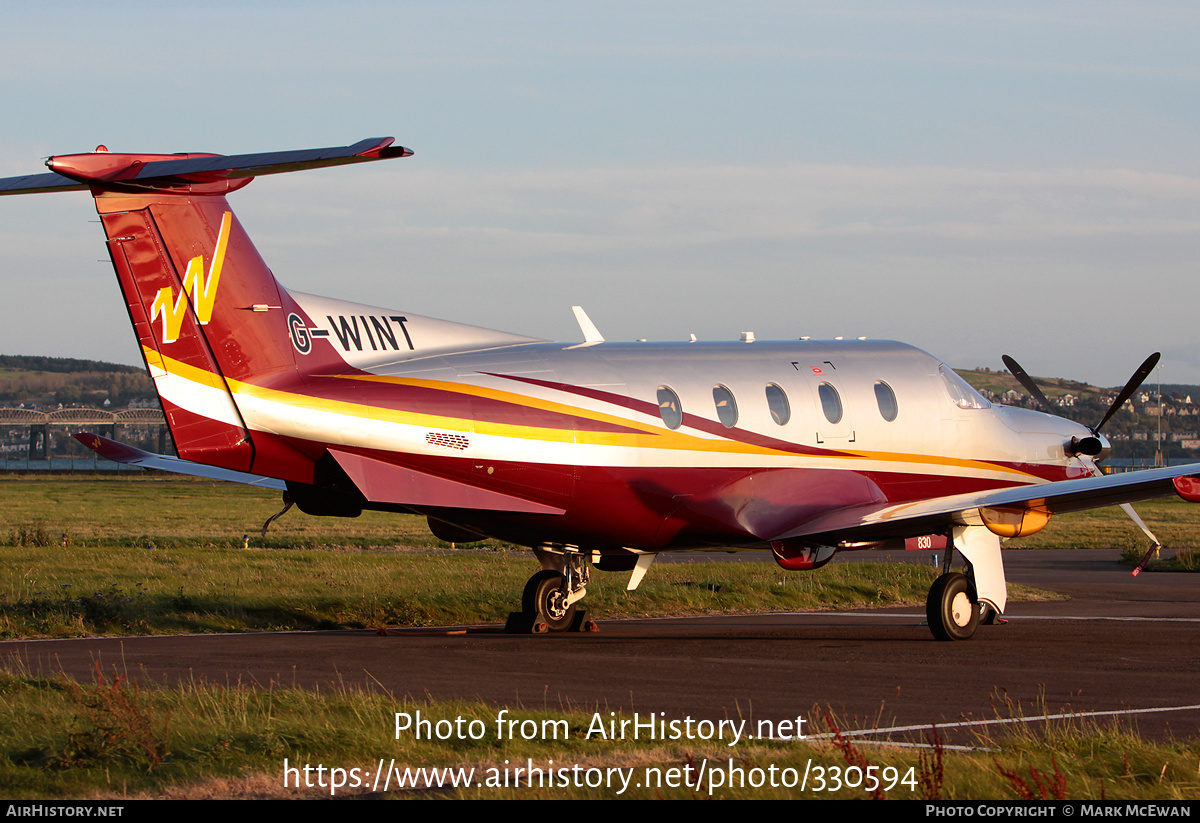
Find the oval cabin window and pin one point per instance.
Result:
(726, 406)
(831, 403)
(669, 408)
(777, 402)
(886, 398)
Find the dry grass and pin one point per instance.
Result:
(214, 742)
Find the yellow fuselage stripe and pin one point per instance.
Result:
(650, 437)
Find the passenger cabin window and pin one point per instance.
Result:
(961, 392)
(831, 403)
(777, 402)
(669, 408)
(886, 398)
(726, 406)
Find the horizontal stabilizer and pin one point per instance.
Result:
(130, 456)
(39, 184)
(106, 170)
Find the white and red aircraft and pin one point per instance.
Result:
(596, 452)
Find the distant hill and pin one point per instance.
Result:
(999, 381)
(49, 381)
(1179, 389)
(62, 365)
(1134, 434)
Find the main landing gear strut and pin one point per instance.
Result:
(549, 602)
(958, 603)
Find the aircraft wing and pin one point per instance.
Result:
(122, 453)
(872, 522)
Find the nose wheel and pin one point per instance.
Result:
(546, 596)
(549, 601)
(952, 608)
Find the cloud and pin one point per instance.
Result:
(670, 206)
(959, 260)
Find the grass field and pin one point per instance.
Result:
(108, 739)
(138, 554)
(135, 510)
(144, 554)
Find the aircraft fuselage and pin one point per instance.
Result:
(758, 445)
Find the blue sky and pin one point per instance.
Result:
(975, 179)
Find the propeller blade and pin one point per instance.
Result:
(1025, 380)
(1138, 378)
(1137, 521)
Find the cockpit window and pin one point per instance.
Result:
(961, 392)
(726, 406)
(777, 402)
(669, 408)
(831, 402)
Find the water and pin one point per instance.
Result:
(65, 464)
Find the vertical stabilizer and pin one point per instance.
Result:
(208, 314)
(206, 311)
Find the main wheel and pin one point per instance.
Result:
(951, 608)
(546, 597)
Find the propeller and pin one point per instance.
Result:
(1134, 382)
(1090, 446)
(1027, 382)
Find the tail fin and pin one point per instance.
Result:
(170, 254)
(175, 244)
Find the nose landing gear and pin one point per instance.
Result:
(546, 597)
(548, 603)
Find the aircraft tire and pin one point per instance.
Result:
(543, 596)
(951, 608)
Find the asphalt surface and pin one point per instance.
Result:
(1118, 645)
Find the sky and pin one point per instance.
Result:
(974, 179)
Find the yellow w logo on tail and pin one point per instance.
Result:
(202, 290)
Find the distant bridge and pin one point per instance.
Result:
(104, 422)
(82, 417)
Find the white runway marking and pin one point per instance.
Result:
(902, 616)
(1000, 721)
